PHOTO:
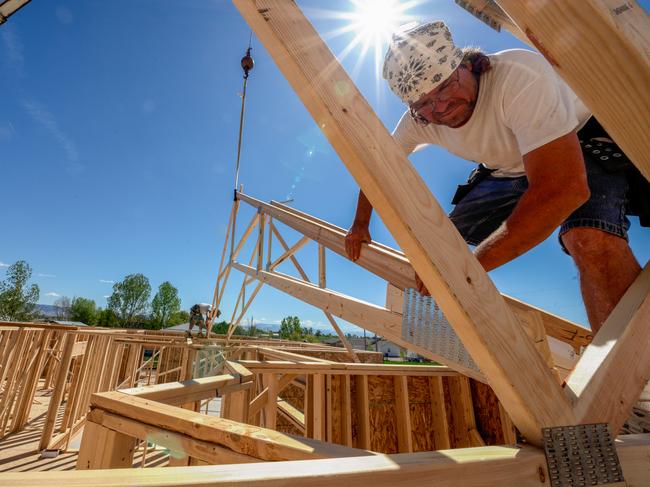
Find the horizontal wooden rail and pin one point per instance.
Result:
(506, 466)
(282, 367)
(177, 393)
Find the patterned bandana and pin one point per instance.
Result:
(419, 59)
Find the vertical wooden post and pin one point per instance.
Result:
(363, 416)
(403, 414)
(270, 381)
(270, 243)
(319, 409)
(59, 389)
(102, 448)
(321, 267)
(330, 408)
(309, 406)
(346, 410)
(465, 432)
(260, 241)
(239, 402)
(32, 383)
(439, 414)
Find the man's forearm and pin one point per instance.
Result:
(534, 218)
(364, 211)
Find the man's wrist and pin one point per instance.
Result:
(361, 222)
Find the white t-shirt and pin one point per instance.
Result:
(205, 308)
(522, 105)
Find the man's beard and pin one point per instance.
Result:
(461, 119)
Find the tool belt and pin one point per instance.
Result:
(475, 177)
(612, 159)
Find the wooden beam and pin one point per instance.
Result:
(602, 49)
(180, 444)
(615, 368)
(393, 266)
(250, 440)
(177, 393)
(523, 466)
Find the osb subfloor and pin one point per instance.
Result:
(19, 451)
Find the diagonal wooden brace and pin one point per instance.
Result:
(614, 369)
(468, 298)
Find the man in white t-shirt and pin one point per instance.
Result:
(511, 113)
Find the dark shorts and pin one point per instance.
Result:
(197, 320)
(491, 202)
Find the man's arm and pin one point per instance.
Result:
(557, 185)
(359, 233)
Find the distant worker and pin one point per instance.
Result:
(200, 315)
(545, 161)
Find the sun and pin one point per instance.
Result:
(371, 24)
(375, 21)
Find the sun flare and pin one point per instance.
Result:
(371, 23)
(375, 20)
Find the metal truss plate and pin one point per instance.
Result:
(581, 455)
(424, 325)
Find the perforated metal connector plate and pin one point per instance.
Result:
(581, 455)
(423, 324)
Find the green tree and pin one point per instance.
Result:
(130, 299)
(290, 328)
(17, 298)
(106, 317)
(164, 304)
(83, 310)
(221, 328)
(179, 317)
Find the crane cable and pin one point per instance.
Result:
(247, 65)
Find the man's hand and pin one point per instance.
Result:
(357, 235)
(421, 288)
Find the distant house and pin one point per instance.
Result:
(387, 348)
(63, 322)
(182, 327)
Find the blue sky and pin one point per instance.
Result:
(118, 132)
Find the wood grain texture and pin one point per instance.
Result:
(476, 467)
(615, 368)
